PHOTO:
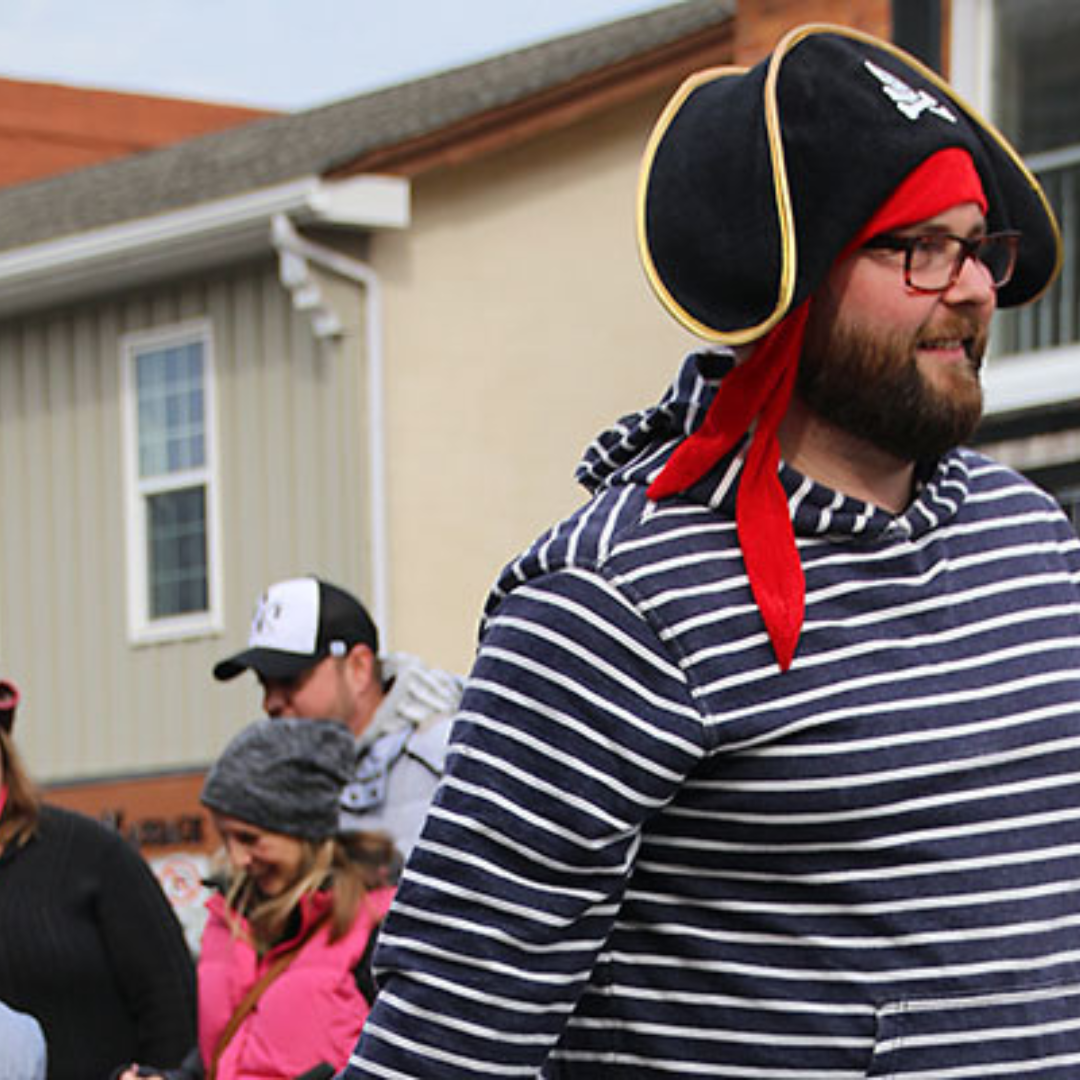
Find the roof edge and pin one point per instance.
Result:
(76, 266)
(475, 136)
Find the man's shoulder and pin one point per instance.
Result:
(618, 532)
(420, 696)
(413, 722)
(395, 779)
(995, 484)
(426, 743)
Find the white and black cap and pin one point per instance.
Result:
(296, 624)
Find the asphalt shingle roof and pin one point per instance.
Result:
(316, 141)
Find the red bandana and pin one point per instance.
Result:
(759, 390)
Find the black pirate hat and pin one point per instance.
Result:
(755, 180)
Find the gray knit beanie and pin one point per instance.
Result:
(285, 776)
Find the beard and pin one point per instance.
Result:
(870, 385)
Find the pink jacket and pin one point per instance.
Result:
(312, 1012)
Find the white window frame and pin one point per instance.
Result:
(1022, 380)
(142, 629)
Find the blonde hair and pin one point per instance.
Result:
(19, 820)
(349, 866)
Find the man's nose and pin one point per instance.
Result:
(275, 701)
(974, 283)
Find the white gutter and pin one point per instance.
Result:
(186, 240)
(294, 253)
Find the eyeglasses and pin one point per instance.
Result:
(933, 261)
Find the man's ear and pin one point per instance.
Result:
(362, 667)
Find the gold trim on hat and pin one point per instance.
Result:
(695, 326)
(781, 188)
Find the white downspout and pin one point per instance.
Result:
(294, 252)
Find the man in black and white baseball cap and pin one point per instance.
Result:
(314, 648)
(297, 624)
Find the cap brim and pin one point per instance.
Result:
(269, 663)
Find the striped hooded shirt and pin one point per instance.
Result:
(654, 854)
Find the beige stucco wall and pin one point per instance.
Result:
(519, 324)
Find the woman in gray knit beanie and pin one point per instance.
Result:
(284, 980)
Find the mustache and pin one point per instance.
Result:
(957, 327)
(973, 333)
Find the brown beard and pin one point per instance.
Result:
(869, 385)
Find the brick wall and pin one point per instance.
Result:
(48, 128)
(761, 23)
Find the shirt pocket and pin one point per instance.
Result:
(1031, 1033)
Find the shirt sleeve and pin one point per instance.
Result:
(576, 726)
(146, 946)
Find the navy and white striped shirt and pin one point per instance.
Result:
(656, 855)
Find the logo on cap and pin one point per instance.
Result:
(287, 618)
(910, 102)
(266, 615)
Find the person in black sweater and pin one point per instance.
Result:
(89, 945)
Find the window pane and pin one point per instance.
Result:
(1037, 85)
(1038, 77)
(169, 384)
(177, 552)
(1054, 319)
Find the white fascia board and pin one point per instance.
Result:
(184, 241)
(365, 202)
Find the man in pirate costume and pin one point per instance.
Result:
(769, 764)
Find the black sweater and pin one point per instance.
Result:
(90, 946)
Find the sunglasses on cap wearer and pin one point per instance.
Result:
(933, 261)
(9, 701)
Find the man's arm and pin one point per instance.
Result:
(575, 727)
